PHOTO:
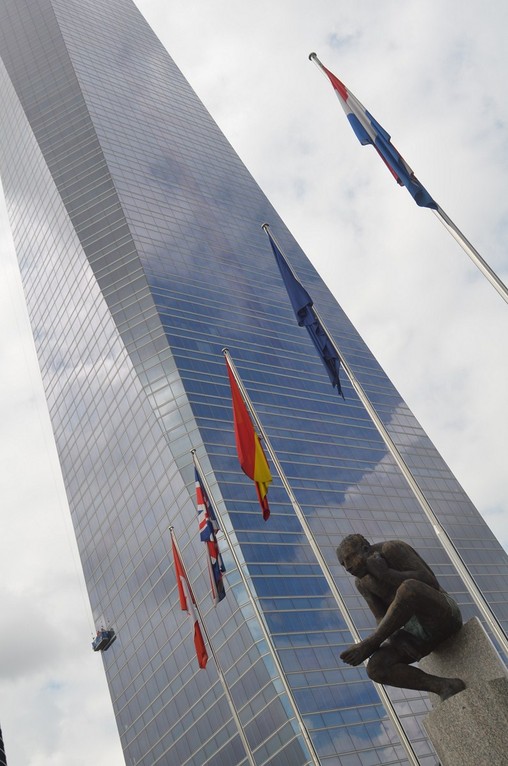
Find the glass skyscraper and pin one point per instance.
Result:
(138, 233)
(3, 760)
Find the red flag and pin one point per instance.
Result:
(187, 602)
(250, 452)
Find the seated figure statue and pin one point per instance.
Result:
(413, 614)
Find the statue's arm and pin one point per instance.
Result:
(376, 606)
(396, 561)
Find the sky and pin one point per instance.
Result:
(434, 75)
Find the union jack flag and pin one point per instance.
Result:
(208, 528)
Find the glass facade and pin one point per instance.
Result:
(3, 760)
(138, 232)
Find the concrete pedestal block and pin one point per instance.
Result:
(471, 728)
(469, 655)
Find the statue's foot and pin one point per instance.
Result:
(452, 686)
(357, 653)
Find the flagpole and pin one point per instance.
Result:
(313, 57)
(321, 560)
(449, 225)
(220, 672)
(260, 617)
(439, 530)
(472, 252)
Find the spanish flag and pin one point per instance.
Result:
(250, 452)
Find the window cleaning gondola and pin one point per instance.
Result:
(103, 639)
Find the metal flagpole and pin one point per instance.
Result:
(439, 530)
(220, 672)
(253, 602)
(411, 755)
(472, 252)
(468, 248)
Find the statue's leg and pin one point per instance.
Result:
(431, 607)
(412, 599)
(389, 665)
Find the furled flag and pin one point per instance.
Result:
(250, 452)
(208, 528)
(302, 306)
(369, 131)
(187, 603)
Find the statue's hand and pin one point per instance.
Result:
(366, 585)
(377, 566)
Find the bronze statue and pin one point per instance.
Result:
(413, 614)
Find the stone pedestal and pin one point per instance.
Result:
(470, 728)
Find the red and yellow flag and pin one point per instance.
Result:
(250, 452)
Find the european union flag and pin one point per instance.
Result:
(302, 306)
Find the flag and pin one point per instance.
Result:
(369, 131)
(302, 305)
(187, 602)
(208, 528)
(250, 452)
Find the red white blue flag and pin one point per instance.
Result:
(208, 528)
(368, 131)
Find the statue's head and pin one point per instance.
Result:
(352, 554)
